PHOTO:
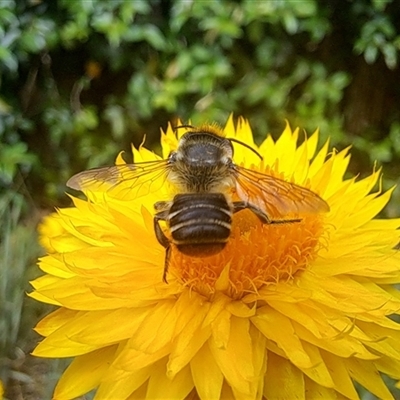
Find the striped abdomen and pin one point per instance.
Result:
(200, 223)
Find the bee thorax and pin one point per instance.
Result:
(201, 179)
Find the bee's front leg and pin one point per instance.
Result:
(162, 208)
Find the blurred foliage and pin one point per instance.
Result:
(18, 254)
(80, 80)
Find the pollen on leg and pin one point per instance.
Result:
(256, 255)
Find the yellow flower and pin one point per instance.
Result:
(299, 310)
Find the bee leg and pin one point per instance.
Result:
(166, 263)
(241, 205)
(161, 206)
(163, 240)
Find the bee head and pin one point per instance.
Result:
(206, 146)
(202, 148)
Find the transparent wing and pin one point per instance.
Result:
(122, 180)
(275, 196)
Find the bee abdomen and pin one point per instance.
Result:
(200, 222)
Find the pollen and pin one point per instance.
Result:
(256, 255)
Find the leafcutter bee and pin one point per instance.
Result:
(199, 217)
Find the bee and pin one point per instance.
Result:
(199, 217)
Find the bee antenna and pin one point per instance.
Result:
(230, 139)
(183, 126)
(247, 146)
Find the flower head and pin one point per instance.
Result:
(292, 310)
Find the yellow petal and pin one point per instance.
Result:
(368, 376)
(187, 343)
(207, 376)
(221, 329)
(340, 376)
(319, 372)
(121, 386)
(161, 323)
(131, 361)
(84, 373)
(160, 386)
(234, 360)
(340, 345)
(55, 320)
(87, 331)
(315, 391)
(283, 380)
(267, 321)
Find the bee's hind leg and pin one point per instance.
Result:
(162, 239)
(166, 263)
(262, 216)
(242, 205)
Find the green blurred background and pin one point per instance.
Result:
(82, 79)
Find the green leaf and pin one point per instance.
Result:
(371, 53)
(115, 115)
(32, 42)
(10, 157)
(8, 59)
(147, 33)
(380, 5)
(290, 23)
(303, 8)
(390, 53)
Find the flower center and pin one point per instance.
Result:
(256, 255)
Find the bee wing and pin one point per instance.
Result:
(275, 196)
(119, 180)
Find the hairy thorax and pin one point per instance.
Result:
(192, 178)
